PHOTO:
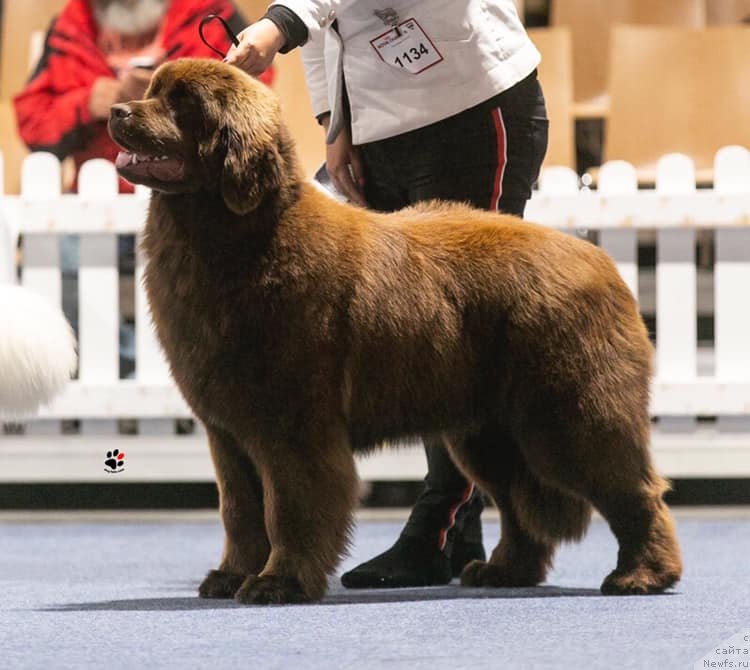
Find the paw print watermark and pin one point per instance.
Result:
(115, 462)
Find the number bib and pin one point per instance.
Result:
(407, 47)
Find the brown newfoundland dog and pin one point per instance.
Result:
(301, 331)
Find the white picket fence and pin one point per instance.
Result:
(701, 396)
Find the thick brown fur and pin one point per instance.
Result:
(302, 330)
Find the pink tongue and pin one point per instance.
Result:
(124, 158)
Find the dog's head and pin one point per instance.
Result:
(204, 126)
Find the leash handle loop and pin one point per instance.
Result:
(230, 33)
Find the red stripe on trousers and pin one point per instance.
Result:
(502, 158)
(443, 538)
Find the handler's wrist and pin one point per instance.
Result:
(293, 28)
(272, 30)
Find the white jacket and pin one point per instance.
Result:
(484, 48)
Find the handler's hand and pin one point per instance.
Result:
(344, 165)
(105, 92)
(258, 45)
(133, 84)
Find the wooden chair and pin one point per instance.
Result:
(20, 21)
(556, 77)
(674, 12)
(677, 90)
(590, 22)
(724, 12)
(12, 147)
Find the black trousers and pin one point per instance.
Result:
(489, 156)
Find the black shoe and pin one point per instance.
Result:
(419, 558)
(411, 561)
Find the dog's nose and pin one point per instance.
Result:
(120, 111)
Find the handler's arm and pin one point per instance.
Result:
(316, 76)
(285, 25)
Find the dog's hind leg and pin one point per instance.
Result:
(310, 494)
(534, 520)
(649, 557)
(609, 464)
(517, 560)
(246, 545)
(524, 554)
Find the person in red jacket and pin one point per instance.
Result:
(100, 52)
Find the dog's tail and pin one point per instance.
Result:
(37, 352)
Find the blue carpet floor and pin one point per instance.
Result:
(122, 595)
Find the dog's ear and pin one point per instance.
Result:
(252, 166)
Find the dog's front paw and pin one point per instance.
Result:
(480, 573)
(271, 590)
(472, 573)
(220, 584)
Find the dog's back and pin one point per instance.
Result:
(406, 321)
(453, 310)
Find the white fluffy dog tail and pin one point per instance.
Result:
(37, 351)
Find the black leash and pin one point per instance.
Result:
(230, 33)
